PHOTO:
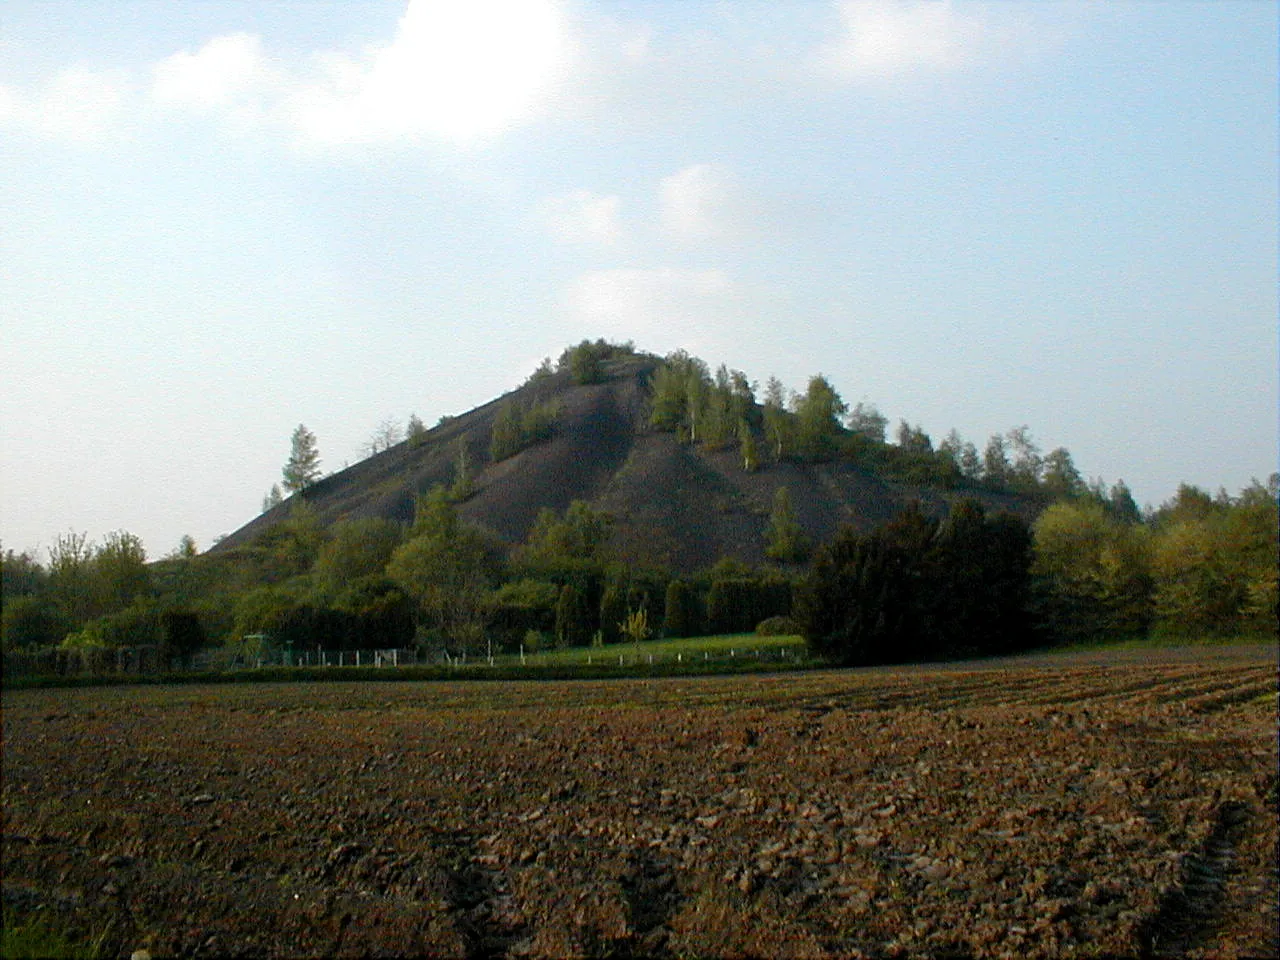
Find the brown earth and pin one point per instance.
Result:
(673, 505)
(1106, 804)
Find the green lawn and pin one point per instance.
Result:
(723, 647)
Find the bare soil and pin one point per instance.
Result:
(1101, 804)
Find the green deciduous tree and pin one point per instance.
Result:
(355, 549)
(996, 469)
(448, 571)
(818, 416)
(750, 449)
(576, 539)
(1122, 505)
(1027, 464)
(119, 571)
(785, 540)
(464, 483)
(913, 439)
(868, 422)
(573, 622)
(295, 541)
(1093, 573)
(635, 626)
(21, 574)
(779, 427)
(415, 431)
(70, 577)
(185, 550)
(1061, 479)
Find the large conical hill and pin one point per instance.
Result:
(672, 504)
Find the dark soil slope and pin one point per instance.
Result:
(672, 505)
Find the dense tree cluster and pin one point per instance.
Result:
(587, 361)
(721, 411)
(520, 424)
(919, 588)
(1198, 566)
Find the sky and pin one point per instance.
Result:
(221, 219)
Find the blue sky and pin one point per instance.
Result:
(222, 219)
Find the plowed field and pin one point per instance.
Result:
(1115, 804)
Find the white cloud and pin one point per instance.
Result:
(225, 71)
(886, 38)
(584, 217)
(461, 70)
(457, 70)
(699, 201)
(79, 105)
(666, 306)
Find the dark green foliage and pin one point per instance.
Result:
(30, 622)
(523, 605)
(573, 621)
(682, 619)
(918, 589)
(384, 614)
(867, 422)
(920, 465)
(737, 605)
(21, 574)
(613, 611)
(305, 626)
(1123, 507)
(1061, 479)
(181, 635)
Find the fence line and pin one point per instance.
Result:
(101, 661)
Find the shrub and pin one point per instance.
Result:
(777, 627)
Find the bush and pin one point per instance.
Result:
(777, 627)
